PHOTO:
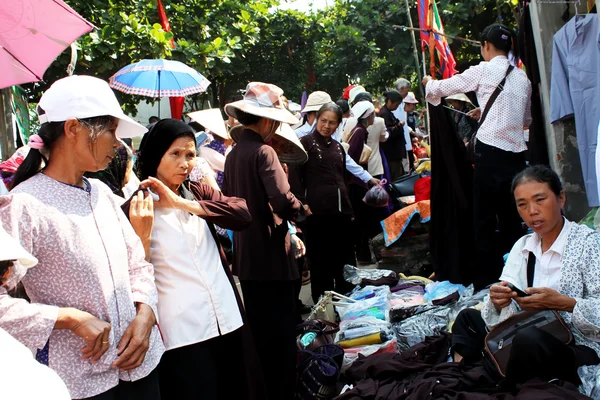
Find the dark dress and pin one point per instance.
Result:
(322, 185)
(263, 259)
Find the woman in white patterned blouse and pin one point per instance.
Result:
(566, 279)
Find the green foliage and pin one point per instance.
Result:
(233, 42)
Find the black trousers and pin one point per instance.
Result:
(535, 353)
(204, 370)
(497, 224)
(270, 308)
(144, 389)
(329, 247)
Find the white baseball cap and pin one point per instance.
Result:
(80, 96)
(11, 249)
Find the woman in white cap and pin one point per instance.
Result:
(92, 315)
(263, 258)
(364, 112)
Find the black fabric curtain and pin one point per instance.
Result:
(538, 146)
(451, 201)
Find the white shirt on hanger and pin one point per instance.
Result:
(196, 301)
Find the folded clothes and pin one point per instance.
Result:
(359, 332)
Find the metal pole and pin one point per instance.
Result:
(415, 51)
(428, 124)
(159, 94)
(462, 39)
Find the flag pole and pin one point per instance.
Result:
(415, 51)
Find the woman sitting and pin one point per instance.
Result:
(565, 279)
(200, 313)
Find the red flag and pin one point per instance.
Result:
(177, 103)
(162, 16)
(432, 31)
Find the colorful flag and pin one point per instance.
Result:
(432, 31)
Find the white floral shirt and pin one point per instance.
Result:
(89, 258)
(503, 126)
(579, 279)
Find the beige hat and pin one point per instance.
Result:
(211, 119)
(411, 99)
(459, 97)
(354, 92)
(285, 140)
(316, 100)
(263, 100)
(11, 249)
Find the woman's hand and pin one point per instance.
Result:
(475, 114)
(136, 339)
(93, 330)
(167, 198)
(501, 295)
(426, 80)
(545, 299)
(307, 210)
(141, 215)
(299, 247)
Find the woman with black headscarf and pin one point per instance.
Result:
(201, 316)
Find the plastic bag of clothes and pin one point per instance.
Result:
(376, 307)
(377, 196)
(440, 290)
(355, 275)
(368, 292)
(415, 329)
(409, 297)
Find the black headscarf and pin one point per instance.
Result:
(156, 143)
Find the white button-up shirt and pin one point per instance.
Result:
(196, 301)
(503, 126)
(547, 265)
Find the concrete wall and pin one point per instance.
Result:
(562, 140)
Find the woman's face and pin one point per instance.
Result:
(392, 105)
(177, 163)
(409, 107)
(539, 207)
(327, 123)
(94, 154)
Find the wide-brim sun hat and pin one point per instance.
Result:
(11, 249)
(316, 100)
(81, 96)
(263, 100)
(362, 109)
(285, 140)
(460, 97)
(411, 98)
(211, 119)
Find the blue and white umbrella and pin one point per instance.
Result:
(159, 78)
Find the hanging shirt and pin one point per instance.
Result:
(91, 259)
(575, 90)
(503, 126)
(195, 299)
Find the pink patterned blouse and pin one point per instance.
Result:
(89, 258)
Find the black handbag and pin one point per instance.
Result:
(493, 97)
(404, 186)
(498, 342)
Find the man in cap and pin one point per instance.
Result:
(263, 259)
(403, 87)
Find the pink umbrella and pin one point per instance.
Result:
(32, 34)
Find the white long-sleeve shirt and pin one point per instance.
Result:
(503, 126)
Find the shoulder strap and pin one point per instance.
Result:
(530, 269)
(493, 97)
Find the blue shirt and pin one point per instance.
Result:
(575, 90)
